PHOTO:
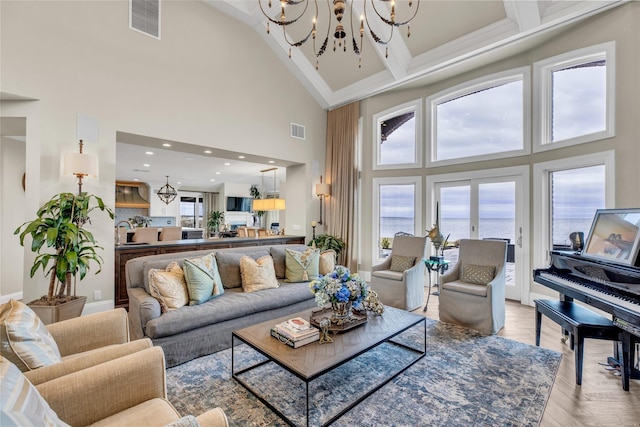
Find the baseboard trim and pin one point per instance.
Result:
(5, 298)
(97, 307)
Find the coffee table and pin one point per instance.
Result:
(312, 361)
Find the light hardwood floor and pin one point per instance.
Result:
(599, 401)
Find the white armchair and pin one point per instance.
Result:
(472, 293)
(397, 285)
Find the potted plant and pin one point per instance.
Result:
(214, 221)
(325, 242)
(59, 226)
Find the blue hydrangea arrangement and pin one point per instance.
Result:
(339, 286)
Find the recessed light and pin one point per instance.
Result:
(146, 165)
(212, 180)
(136, 179)
(218, 173)
(272, 161)
(149, 153)
(179, 182)
(166, 144)
(207, 151)
(241, 157)
(227, 164)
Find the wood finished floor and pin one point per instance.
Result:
(599, 401)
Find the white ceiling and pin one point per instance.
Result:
(445, 36)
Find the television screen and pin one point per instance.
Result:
(239, 204)
(614, 236)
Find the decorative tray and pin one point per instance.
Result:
(358, 318)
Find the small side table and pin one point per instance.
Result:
(439, 266)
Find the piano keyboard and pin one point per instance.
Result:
(592, 291)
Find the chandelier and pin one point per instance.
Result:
(167, 193)
(299, 8)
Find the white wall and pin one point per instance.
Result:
(196, 85)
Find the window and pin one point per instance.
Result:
(191, 212)
(481, 119)
(574, 102)
(398, 137)
(569, 192)
(396, 204)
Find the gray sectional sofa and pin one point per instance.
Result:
(198, 330)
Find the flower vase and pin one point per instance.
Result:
(341, 312)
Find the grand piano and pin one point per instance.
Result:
(608, 286)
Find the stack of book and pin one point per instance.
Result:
(295, 332)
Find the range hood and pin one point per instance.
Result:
(128, 195)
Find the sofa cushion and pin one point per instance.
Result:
(302, 266)
(388, 274)
(169, 287)
(401, 263)
(327, 262)
(232, 305)
(203, 279)
(257, 275)
(278, 255)
(25, 340)
(20, 402)
(229, 266)
(477, 274)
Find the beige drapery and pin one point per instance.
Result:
(209, 204)
(342, 174)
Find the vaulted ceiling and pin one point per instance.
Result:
(446, 36)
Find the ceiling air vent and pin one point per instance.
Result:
(144, 16)
(297, 131)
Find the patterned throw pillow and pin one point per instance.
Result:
(327, 262)
(203, 279)
(478, 274)
(302, 266)
(25, 341)
(168, 287)
(20, 402)
(401, 263)
(259, 274)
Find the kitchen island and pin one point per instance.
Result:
(129, 250)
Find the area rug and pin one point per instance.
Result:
(464, 379)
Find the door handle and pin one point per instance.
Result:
(519, 240)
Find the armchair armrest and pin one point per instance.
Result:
(97, 330)
(452, 274)
(142, 308)
(414, 273)
(89, 395)
(213, 418)
(384, 265)
(86, 360)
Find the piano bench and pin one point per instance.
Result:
(580, 322)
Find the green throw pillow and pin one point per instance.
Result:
(401, 263)
(203, 279)
(478, 274)
(302, 266)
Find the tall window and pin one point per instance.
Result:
(484, 118)
(576, 194)
(191, 212)
(575, 102)
(398, 137)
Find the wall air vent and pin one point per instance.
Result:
(144, 16)
(297, 131)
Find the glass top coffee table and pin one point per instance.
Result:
(397, 330)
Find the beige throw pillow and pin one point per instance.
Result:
(169, 287)
(327, 262)
(478, 274)
(401, 263)
(259, 274)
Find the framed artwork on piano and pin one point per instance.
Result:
(614, 236)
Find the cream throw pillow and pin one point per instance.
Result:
(169, 287)
(327, 262)
(259, 274)
(478, 274)
(25, 340)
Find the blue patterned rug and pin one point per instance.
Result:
(464, 379)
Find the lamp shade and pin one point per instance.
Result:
(80, 164)
(323, 189)
(268, 205)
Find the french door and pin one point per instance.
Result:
(486, 205)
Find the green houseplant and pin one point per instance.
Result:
(65, 249)
(214, 221)
(326, 241)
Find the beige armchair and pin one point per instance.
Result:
(129, 391)
(171, 233)
(399, 282)
(472, 293)
(87, 341)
